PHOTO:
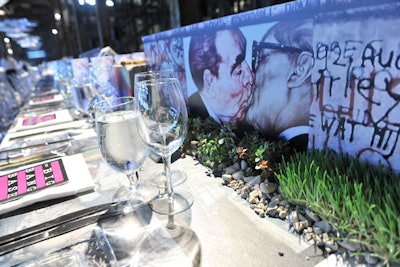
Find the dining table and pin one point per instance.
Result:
(76, 219)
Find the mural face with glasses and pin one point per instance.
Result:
(259, 55)
(282, 64)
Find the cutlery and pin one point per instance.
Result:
(16, 159)
(11, 164)
(47, 132)
(61, 225)
(34, 145)
(44, 108)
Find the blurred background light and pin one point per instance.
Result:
(57, 16)
(110, 3)
(91, 2)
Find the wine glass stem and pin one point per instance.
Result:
(170, 191)
(167, 168)
(133, 181)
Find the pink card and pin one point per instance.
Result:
(30, 180)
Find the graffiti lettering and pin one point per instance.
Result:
(373, 53)
(383, 137)
(331, 121)
(365, 73)
(380, 80)
(334, 54)
(325, 80)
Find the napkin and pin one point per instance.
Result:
(46, 99)
(53, 179)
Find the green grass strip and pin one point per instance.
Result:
(359, 200)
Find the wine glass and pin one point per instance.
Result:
(120, 143)
(83, 93)
(178, 176)
(163, 127)
(84, 96)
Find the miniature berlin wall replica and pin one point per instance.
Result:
(320, 74)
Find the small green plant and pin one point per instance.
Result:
(216, 152)
(216, 146)
(219, 147)
(262, 155)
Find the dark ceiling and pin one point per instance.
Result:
(84, 27)
(39, 12)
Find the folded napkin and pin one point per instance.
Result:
(45, 99)
(47, 180)
(42, 120)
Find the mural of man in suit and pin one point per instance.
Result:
(222, 76)
(282, 63)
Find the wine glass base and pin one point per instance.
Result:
(159, 179)
(126, 231)
(182, 201)
(163, 248)
(129, 197)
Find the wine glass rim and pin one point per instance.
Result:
(159, 80)
(151, 72)
(111, 102)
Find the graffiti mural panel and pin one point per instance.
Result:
(319, 74)
(356, 84)
(167, 54)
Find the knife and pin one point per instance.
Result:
(60, 226)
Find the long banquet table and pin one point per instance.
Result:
(219, 229)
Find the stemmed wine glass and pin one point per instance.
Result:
(82, 93)
(120, 143)
(163, 127)
(84, 96)
(178, 176)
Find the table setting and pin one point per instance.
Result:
(108, 193)
(60, 177)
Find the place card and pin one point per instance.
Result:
(40, 119)
(45, 119)
(27, 181)
(50, 179)
(46, 99)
